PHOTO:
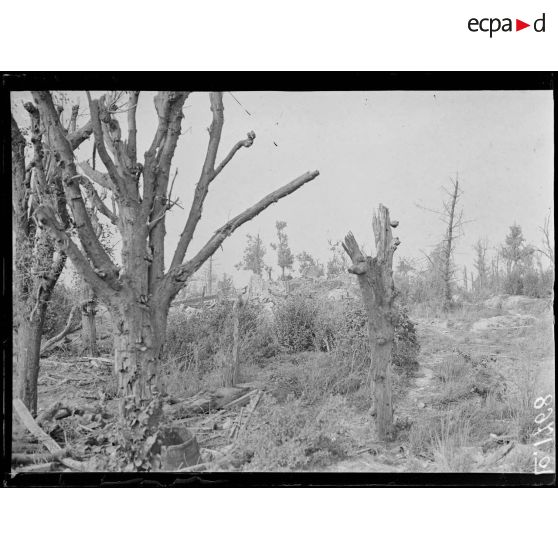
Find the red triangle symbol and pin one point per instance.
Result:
(519, 25)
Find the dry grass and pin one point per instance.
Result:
(480, 398)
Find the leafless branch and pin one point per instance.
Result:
(208, 174)
(71, 180)
(242, 143)
(97, 202)
(181, 273)
(95, 277)
(100, 145)
(68, 328)
(94, 175)
(132, 128)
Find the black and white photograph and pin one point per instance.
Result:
(283, 281)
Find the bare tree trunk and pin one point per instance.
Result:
(138, 343)
(88, 325)
(232, 370)
(450, 236)
(29, 336)
(375, 277)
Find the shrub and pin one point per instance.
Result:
(406, 346)
(296, 323)
(202, 342)
(538, 285)
(463, 376)
(353, 343)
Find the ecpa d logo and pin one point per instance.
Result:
(492, 25)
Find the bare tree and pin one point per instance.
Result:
(138, 293)
(480, 263)
(375, 277)
(453, 219)
(39, 260)
(495, 272)
(548, 246)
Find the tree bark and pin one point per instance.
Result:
(88, 324)
(450, 237)
(375, 277)
(38, 261)
(139, 336)
(29, 336)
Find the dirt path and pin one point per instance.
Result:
(502, 333)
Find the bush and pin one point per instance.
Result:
(352, 340)
(538, 285)
(530, 283)
(303, 323)
(202, 342)
(296, 322)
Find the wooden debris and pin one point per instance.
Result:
(30, 458)
(37, 467)
(57, 362)
(49, 412)
(249, 412)
(205, 402)
(195, 468)
(106, 361)
(240, 401)
(29, 422)
(236, 426)
(225, 460)
(500, 454)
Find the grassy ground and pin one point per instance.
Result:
(469, 407)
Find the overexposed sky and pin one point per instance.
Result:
(397, 148)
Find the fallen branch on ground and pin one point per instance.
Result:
(68, 328)
(29, 422)
(33, 458)
(37, 467)
(205, 402)
(57, 362)
(249, 412)
(240, 401)
(49, 412)
(107, 361)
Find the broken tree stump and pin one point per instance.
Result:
(375, 277)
